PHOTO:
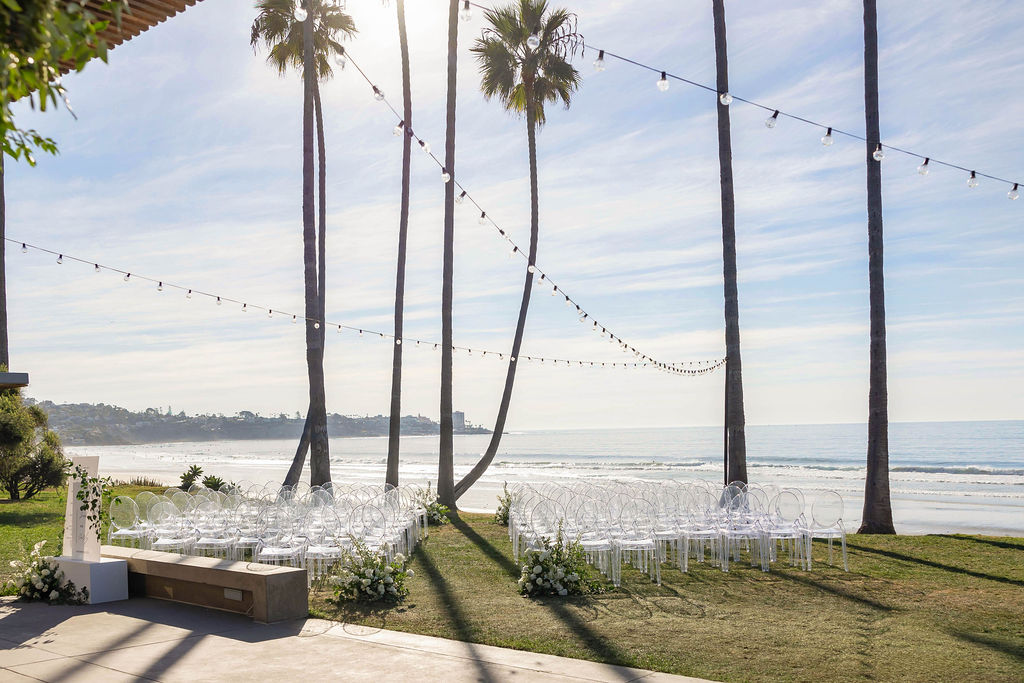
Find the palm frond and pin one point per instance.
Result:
(276, 30)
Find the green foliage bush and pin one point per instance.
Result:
(368, 576)
(31, 457)
(213, 482)
(558, 568)
(504, 505)
(437, 514)
(190, 476)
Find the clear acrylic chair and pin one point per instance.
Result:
(125, 527)
(827, 522)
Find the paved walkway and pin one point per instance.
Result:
(153, 640)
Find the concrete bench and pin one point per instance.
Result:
(262, 591)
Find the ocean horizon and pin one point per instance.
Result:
(945, 477)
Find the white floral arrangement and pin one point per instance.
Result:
(41, 578)
(557, 568)
(369, 576)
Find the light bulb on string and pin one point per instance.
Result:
(340, 60)
(461, 198)
(663, 82)
(483, 217)
(772, 120)
(923, 168)
(425, 146)
(972, 180)
(1014, 193)
(725, 98)
(568, 303)
(554, 291)
(300, 13)
(398, 342)
(531, 268)
(879, 153)
(96, 268)
(827, 138)
(127, 276)
(445, 175)
(465, 13)
(533, 42)
(60, 258)
(188, 294)
(160, 287)
(219, 302)
(316, 326)
(599, 62)
(378, 94)
(515, 250)
(399, 127)
(245, 308)
(339, 329)
(24, 248)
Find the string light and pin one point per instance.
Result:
(879, 153)
(725, 98)
(827, 138)
(1014, 193)
(219, 302)
(599, 62)
(188, 295)
(270, 312)
(663, 82)
(466, 13)
(399, 127)
(339, 58)
(245, 308)
(772, 120)
(533, 42)
(160, 287)
(127, 276)
(923, 168)
(60, 258)
(96, 268)
(445, 175)
(300, 13)
(425, 146)
(24, 249)
(972, 181)
(461, 198)
(378, 94)
(483, 218)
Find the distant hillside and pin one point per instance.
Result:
(86, 424)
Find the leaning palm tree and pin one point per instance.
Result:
(304, 37)
(395, 426)
(446, 443)
(735, 439)
(524, 61)
(877, 517)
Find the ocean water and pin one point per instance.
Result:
(945, 477)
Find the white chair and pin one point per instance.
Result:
(827, 522)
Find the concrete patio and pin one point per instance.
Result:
(143, 639)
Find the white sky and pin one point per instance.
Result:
(184, 165)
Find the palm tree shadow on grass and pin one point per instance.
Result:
(998, 644)
(589, 638)
(936, 565)
(1007, 544)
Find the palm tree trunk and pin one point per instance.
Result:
(877, 517)
(320, 455)
(5, 358)
(395, 426)
(299, 461)
(734, 418)
(446, 457)
(517, 341)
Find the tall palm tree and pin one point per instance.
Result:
(5, 357)
(524, 79)
(877, 517)
(446, 455)
(307, 44)
(395, 426)
(736, 443)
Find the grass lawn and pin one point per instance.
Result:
(915, 608)
(939, 608)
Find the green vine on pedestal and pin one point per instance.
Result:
(92, 493)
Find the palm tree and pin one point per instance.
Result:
(524, 79)
(5, 356)
(306, 43)
(877, 517)
(736, 445)
(446, 455)
(395, 426)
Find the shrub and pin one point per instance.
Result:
(504, 505)
(41, 578)
(213, 482)
(558, 568)
(437, 514)
(368, 576)
(31, 458)
(190, 476)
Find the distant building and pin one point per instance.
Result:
(458, 420)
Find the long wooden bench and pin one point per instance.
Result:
(264, 592)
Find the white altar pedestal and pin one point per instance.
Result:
(106, 579)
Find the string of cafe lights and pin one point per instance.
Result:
(679, 368)
(544, 280)
(775, 114)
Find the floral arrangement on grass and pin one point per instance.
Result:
(558, 568)
(437, 514)
(504, 506)
(41, 578)
(368, 576)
